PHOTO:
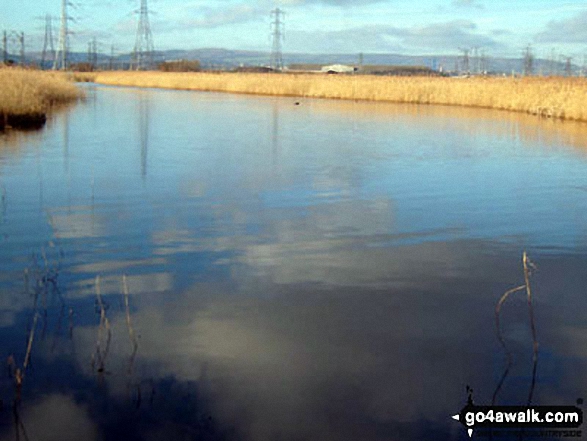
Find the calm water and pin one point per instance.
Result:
(327, 271)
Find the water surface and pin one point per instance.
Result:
(327, 271)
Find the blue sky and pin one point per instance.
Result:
(500, 27)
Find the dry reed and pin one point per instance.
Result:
(84, 77)
(555, 97)
(26, 96)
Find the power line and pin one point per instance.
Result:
(484, 63)
(466, 69)
(144, 48)
(528, 61)
(277, 32)
(568, 66)
(22, 53)
(9, 40)
(476, 60)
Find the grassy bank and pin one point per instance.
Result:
(554, 97)
(26, 96)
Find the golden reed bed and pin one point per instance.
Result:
(27, 95)
(554, 97)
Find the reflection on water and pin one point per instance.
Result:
(532, 130)
(65, 124)
(327, 270)
(275, 139)
(143, 111)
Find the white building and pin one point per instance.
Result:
(338, 68)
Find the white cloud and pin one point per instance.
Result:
(447, 36)
(570, 30)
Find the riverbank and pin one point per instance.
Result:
(557, 97)
(26, 96)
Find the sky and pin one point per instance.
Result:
(410, 27)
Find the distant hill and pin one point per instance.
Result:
(218, 58)
(211, 57)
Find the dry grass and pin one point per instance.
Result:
(26, 96)
(554, 97)
(84, 77)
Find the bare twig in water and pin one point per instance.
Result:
(10, 366)
(18, 424)
(131, 332)
(502, 341)
(71, 323)
(139, 397)
(3, 205)
(41, 281)
(527, 265)
(100, 355)
(498, 310)
(26, 281)
(3, 197)
(18, 373)
(43, 278)
(29, 348)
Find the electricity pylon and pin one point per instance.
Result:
(93, 53)
(466, 68)
(10, 39)
(528, 61)
(61, 58)
(144, 48)
(48, 44)
(277, 33)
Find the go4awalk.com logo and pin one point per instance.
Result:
(566, 420)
